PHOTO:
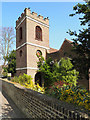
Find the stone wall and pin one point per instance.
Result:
(36, 105)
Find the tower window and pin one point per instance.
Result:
(20, 53)
(20, 32)
(38, 33)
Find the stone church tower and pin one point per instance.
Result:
(32, 36)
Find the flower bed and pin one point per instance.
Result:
(71, 94)
(27, 82)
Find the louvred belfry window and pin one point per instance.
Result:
(38, 33)
(20, 53)
(20, 32)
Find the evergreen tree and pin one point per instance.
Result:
(11, 58)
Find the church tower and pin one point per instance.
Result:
(32, 36)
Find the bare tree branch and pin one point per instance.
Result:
(6, 42)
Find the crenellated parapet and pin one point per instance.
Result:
(32, 15)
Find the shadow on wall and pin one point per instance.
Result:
(84, 83)
(9, 109)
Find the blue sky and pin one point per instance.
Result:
(58, 13)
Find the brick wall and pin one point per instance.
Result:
(36, 105)
(64, 51)
(29, 44)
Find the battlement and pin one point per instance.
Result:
(32, 15)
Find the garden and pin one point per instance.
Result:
(60, 77)
(60, 81)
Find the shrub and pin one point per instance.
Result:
(26, 81)
(75, 94)
(66, 71)
(58, 84)
(23, 79)
(54, 71)
(15, 79)
(5, 74)
(36, 87)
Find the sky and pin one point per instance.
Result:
(58, 12)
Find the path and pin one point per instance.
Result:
(7, 108)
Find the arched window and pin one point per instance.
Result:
(38, 33)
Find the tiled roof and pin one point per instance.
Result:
(64, 43)
(68, 40)
(51, 50)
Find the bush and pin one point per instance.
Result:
(75, 94)
(26, 81)
(4, 74)
(15, 79)
(59, 84)
(22, 79)
(36, 87)
(66, 71)
(54, 71)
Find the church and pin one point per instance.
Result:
(32, 38)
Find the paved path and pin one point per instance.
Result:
(7, 108)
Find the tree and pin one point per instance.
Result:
(57, 71)
(7, 41)
(11, 58)
(81, 40)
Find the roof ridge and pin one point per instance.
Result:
(68, 40)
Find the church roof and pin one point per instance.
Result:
(51, 50)
(68, 40)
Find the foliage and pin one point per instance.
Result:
(59, 84)
(5, 70)
(46, 69)
(26, 81)
(11, 58)
(5, 74)
(81, 40)
(57, 71)
(15, 79)
(74, 94)
(66, 71)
